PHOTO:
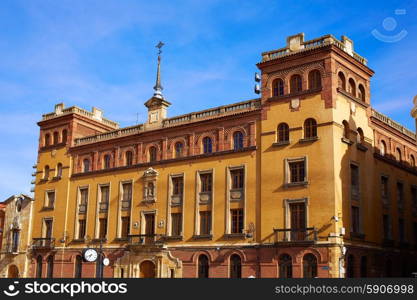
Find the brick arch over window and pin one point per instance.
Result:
(237, 252)
(102, 157)
(196, 255)
(314, 79)
(361, 92)
(296, 83)
(199, 142)
(47, 139)
(382, 146)
(123, 157)
(148, 147)
(299, 257)
(351, 86)
(341, 80)
(278, 87)
(171, 147)
(229, 134)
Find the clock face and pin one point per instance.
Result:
(90, 255)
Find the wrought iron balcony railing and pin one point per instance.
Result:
(291, 235)
(43, 243)
(145, 239)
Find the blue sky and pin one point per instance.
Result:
(101, 53)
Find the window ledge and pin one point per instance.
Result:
(361, 147)
(175, 204)
(149, 201)
(346, 141)
(292, 184)
(173, 238)
(46, 208)
(235, 235)
(121, 239)
(309, 140)
(280, 144)
(78, 241)
(98, 240)
(43, 180)
(203, 237)
(56, 178)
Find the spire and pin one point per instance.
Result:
(158, 87)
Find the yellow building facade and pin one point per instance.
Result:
(306, 181)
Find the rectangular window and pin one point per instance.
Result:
(205, 222)
(104, 198)
(354, 181)
(355, 219)
(81, 229)
(83, 200)
(386, 226)
(401, 230)
(15, 240)
(177, 185)
(176, 224)
(237, 178)
(237, 220)
(102, 228)
(47, 233)
(206, 182)
(50, 199)
(297, 171)
(400, 195)
(127, 195)
(125, 227)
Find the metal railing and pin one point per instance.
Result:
(43, 243)
(295, 235)
(145, 239)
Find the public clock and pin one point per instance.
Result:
(90, 255)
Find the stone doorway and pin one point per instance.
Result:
(147, 269)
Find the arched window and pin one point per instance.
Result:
(296, 83)
(207, 145)
(350, 270)
(179, 149)
(129, 158)
(285, 266)
(47, 139)
(46, 173)
(314, 79)
(341, 81)
(412, 161)
(352, 87)
(309, 266)
(78, 266)
(283, 133)
(346, 129)
(382, 148)
(361, 92)
(64, 136)
(238, 140)
(50, 267)
(310, 128)
(56, 138)
(106, 161)
(364, 266)
(59, 170)
(398, 154)
(235, 266)
(86, 165)
(152, 154)
(39, 267)
(360, 136)
(278, 87)
(203, 266)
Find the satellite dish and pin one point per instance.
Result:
(257, 89)
(257, 77)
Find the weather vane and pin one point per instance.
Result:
(159, 46)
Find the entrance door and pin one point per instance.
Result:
(149, 228)
(298, 221)
(147, 269)
(13, 272)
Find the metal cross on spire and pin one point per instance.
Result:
(158, 86)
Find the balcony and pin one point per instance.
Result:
(143, 240)
(303, 235)
(43, 243)
(82, 208)
(236, 195)
(176, 200)
(103, 207)
(204, 197)
(125, 204)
